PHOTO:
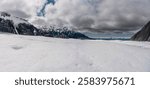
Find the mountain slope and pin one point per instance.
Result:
(143, 34)
(62, 32)
(12, 24)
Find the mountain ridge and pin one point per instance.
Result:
(17, 25)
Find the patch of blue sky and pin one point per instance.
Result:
(41, 12)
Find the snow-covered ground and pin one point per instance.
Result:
(33, 53)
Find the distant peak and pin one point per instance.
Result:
(5, 14)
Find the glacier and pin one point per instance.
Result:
(21, 53)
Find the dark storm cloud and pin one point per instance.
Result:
(82, 22)
(106, 15)
(93, 15)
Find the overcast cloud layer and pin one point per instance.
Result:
(93, 15)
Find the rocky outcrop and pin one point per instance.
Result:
(6, 26)
(21, 28)
(26, 29)
(143, 34)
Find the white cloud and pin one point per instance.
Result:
(18, 7)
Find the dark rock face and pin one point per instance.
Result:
(26, 29)
(143, 34)
(6, 26)
(22, 28)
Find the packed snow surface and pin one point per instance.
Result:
(34, 53)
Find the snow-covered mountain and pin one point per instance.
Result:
(12, 24)
(61, 32)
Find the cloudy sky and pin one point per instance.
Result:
(91, 15)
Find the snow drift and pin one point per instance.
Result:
(34, 53)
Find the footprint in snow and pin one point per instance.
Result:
(17, 47)
(90, 64)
